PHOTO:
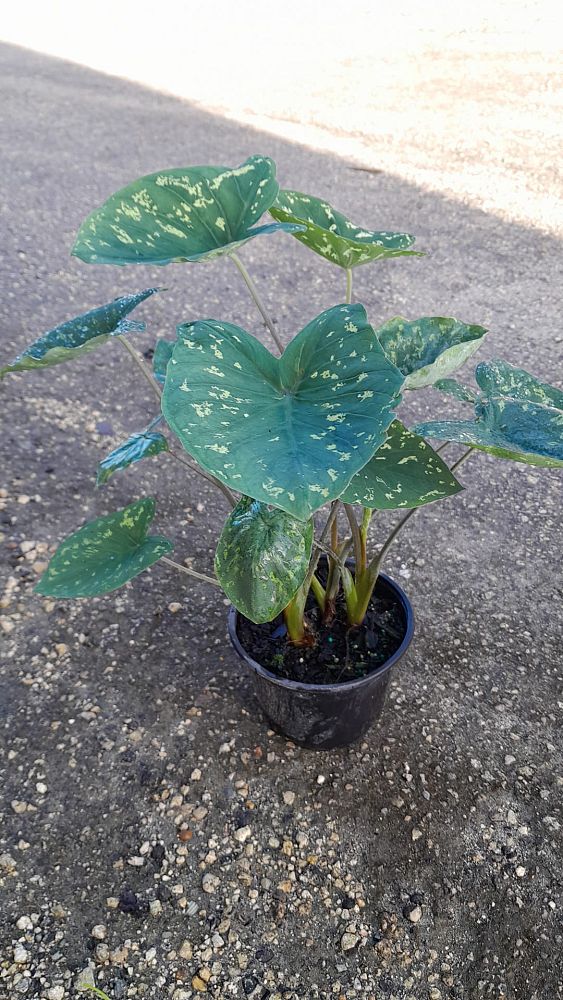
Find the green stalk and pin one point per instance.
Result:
(258, 301)
(348, 285)
(294, 614)
(365, 584)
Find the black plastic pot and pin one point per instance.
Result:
(324, 716)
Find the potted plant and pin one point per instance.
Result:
(304, 446)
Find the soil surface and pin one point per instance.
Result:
(156, 837)
(338, 653)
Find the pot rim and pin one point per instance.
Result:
(232, 618)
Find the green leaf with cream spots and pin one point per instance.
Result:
(185, 214)
(508, 428)
(80, 335)
(429, 348)
(262, 558)
(136, 447)
(404, 472)
(104, 554)
(289, 431)
(499, 378)
(162, 354)
(333, 236)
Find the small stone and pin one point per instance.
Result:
(434, 993)
(41, 787)
(416, 834)
(23, 499)
(520, 871)
(195, 775)
(155, 907)
(21, 956)
(174, 607)
(112, 902)
(242, 834)
(101, 952)
(414, 914)
(186, 950)
(56, 993)
(136, 861)
(509, 759)
(85, 978)
(210, 883)
(150, 955)
(24, 924)
(18, 806)
(511, 818)
(289, 798)
(7, 863)
(321, 779)
(61, 648)
(349, 941)
(99, 932)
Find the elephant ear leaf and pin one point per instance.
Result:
(262, 558)
(428, 349)
(185, 214)
(162, 354)
(333, 236)
(288, 431)
(104, 554)
(80, 335)
(136, 447)
(499, 378)
(404, 472)
(522, 429)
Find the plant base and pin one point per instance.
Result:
(325, 716)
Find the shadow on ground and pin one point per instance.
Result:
(422, 863)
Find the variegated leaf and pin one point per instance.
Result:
(290, 431)
(104, 554)
(404, 472)
(136, 447)
(185, 214)
(499, 378)
(80, 335)
(429, 348)
(508, 428)
(262, 558)
(333, 236)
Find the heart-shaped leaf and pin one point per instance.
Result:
(498, 378)
(104, 554)
(135, 448)
(429, 348)
(404, 472)
(262, 558)
(333, 236)
(289, 431)
(185, 214)
(508, 428)
(80, 335)
(162, 354)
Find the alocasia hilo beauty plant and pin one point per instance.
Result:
(286, 436)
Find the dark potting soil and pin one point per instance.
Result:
(340, 653)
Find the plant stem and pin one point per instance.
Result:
(141, 365)
(254, 292)
(204, 475)
(378, 559)
(356, 537)
(348, 285)
(191, 572)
